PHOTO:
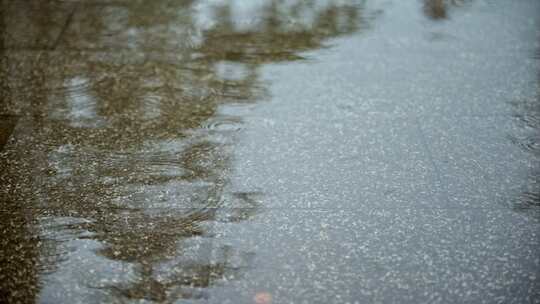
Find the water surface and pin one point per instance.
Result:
(179, 151)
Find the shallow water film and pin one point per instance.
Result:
(269, 151)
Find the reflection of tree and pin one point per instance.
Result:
(120, 132)
(438, 9)
(276, 36)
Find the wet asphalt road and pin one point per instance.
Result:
(264, 152)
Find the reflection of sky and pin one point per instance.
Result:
(80, 108)
(78, 262)
(227, 70)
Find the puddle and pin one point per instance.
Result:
(144, 144)
(128, 138)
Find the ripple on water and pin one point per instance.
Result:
(223, 124)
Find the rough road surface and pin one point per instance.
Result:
(321, 151)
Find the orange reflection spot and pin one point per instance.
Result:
(263, 298)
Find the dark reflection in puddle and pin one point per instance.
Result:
(439, 9)
(119, 165)
(7, 123)
(527, 114)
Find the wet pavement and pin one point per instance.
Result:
(179, 151)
